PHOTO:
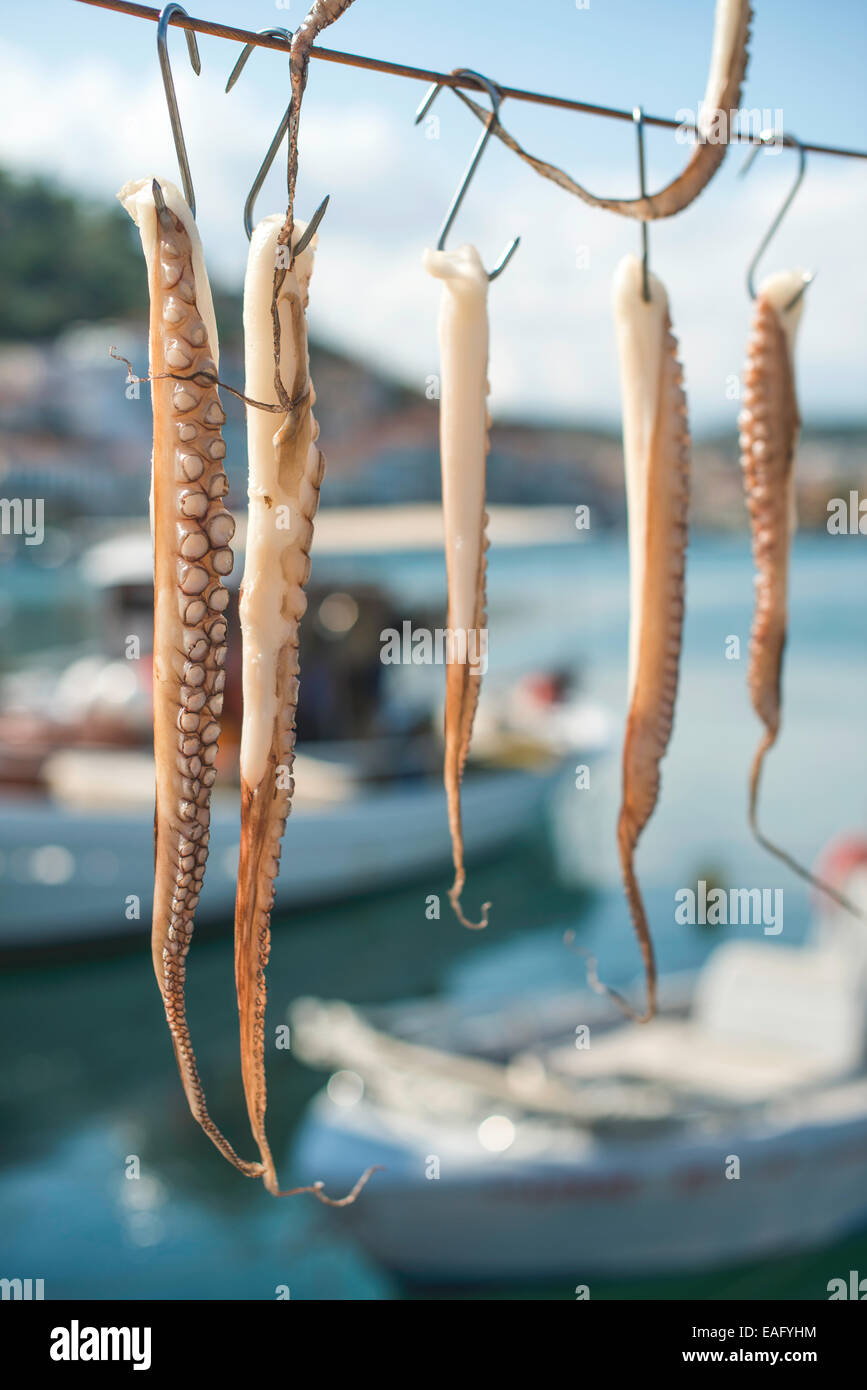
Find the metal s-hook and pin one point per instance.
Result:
(766, 137)
(458, 198)
(256, 188)
(275, 33)
(171, 99)
(638, 118)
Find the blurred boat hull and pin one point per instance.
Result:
(599, 1209)
(535, 1136)
(69, 876)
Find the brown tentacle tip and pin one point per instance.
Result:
(316, 1189)
(455, 900)
(766, 743)
(599, 986)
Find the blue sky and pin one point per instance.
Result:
(83, 101)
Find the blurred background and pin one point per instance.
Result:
(524, 1156)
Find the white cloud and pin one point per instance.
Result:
(552, 345)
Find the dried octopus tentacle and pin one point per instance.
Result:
(657, 457)
(728, 67)
(316, 1189)
(321, 14)
(286, 469)
(769, 428)
(464, 423)
(192, 530)
(462, 698)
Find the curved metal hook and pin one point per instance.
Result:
(274, 33)
(638, 118)
(265, 168)
(765, 138)
(458, 198)
(171, 99)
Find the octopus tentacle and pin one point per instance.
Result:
(769, 425)
(769, 428)
(462, 698)
(320, 15)
(657, 456)
(316, 1190)
(464, 424)
(192, 530)
(729, 57)
(286, 469)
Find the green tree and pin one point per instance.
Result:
(63, 259)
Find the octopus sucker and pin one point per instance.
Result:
(769, 429)
(191, 530)
(728, 65)
(657, 459)
(285, 472)
(464, 424)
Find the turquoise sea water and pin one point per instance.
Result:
(88, 1080)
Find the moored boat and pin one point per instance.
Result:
(70, 875)
(77, 777)
(538, 1140)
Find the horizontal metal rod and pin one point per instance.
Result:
(355, 60)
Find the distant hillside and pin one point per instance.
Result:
(61, 259)
(72, 283)
(65, 259)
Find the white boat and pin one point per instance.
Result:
(732, 1127)
(369, 813)
(72, 872)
